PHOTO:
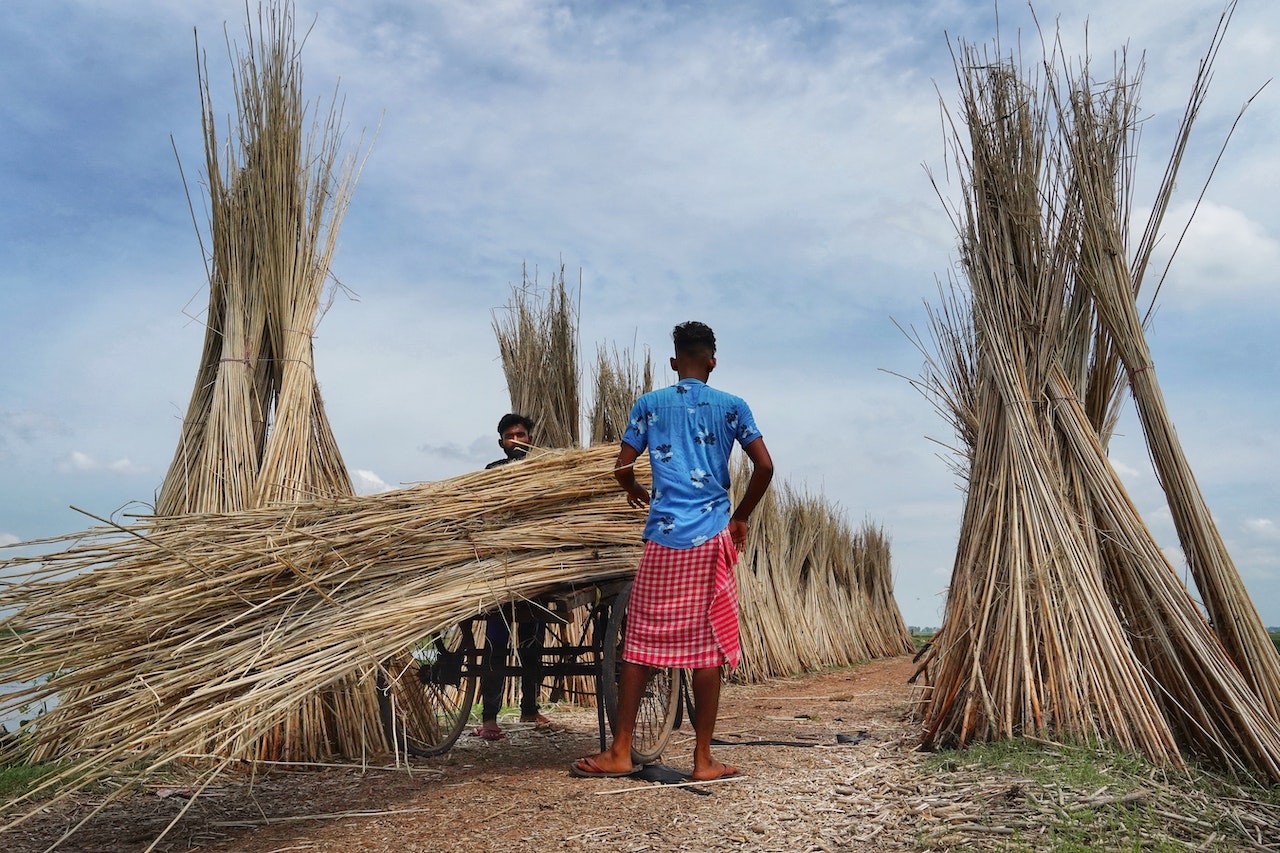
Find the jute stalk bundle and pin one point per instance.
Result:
(275, 206)
(168, 640)
(619, 381)
(1064, 619)
(812, 594)
(256, 431)
(299, 195)
(1023, 580)
(1106, 274)
(1206, 700)
(871, 571)
(538, 343)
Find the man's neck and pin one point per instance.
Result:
(693, 366)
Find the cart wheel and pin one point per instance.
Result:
(425, 693)
(661, 700)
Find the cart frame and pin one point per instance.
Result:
(425, 695)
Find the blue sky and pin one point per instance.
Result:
(761, 166)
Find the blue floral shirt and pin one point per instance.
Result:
(689, 429)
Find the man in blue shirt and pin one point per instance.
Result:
(683, 610)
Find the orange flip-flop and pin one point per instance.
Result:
(586, 768)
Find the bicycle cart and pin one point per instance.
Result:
(425, 695)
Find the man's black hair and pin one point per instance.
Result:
(512, 419)
(694, 338)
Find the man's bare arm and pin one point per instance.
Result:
(625, 473)
(761, 475)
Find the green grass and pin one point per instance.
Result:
(919, 638)
(1085, 798)
(17, 779)
(1275, 638)
(1081, 771)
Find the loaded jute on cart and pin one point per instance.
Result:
(203, 635)
(264, 612)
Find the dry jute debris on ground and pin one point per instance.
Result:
(874, 793)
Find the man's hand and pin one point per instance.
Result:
(638, 496)
(625, 473)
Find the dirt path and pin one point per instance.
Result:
(814, 793)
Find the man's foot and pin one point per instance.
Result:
(598, 767)
(538, 720)
(489, 731)
(714, 771)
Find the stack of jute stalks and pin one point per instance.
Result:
(256, 432)
(167, 640)
(1064, 618)
(812, 592)
(538, 344)
(619, 381)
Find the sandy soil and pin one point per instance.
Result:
(807, 789)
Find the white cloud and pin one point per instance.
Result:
(1127, 472)
(368, 483)
(8, 539)
(124, 466)
(80, 462)
(1263, 528)
(1225, 256)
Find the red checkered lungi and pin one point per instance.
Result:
(683, 610)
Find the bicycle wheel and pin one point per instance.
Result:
(425, 694)
(660, 702)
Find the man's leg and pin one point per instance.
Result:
(492, 680)
(706, 707)
(530, 654)
(631, 684)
